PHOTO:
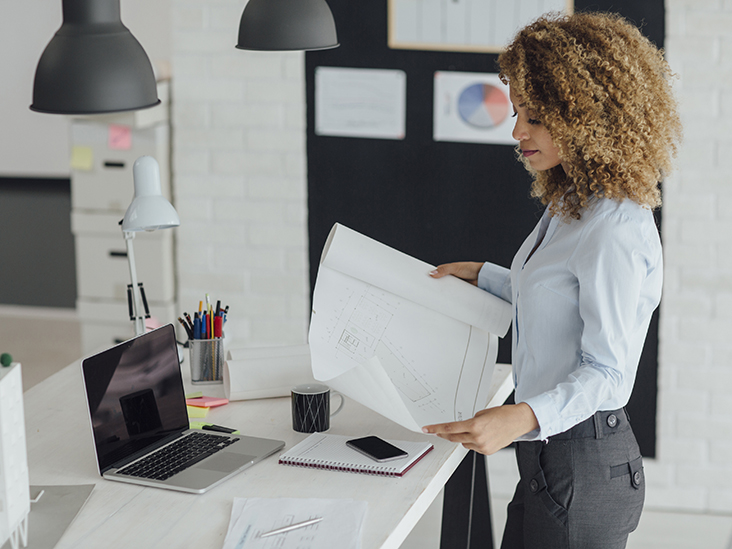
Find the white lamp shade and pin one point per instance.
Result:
(149, 210)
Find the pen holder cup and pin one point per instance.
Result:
(207, 360)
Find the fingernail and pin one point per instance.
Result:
(433, 273)
(425, 430)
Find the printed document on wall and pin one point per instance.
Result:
(415, 349)
(364, 103)
(471, 107)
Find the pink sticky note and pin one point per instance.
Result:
(206, 402)
(119, 138)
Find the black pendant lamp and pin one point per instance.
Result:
(93, 64)
(281, 25)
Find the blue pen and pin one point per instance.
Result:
(196, 326)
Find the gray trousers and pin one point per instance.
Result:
(583, 489)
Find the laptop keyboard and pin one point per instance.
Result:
(177, 456)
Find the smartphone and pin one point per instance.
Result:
(376, 448)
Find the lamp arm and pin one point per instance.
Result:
(136, 298)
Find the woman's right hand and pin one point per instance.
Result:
(467, 270)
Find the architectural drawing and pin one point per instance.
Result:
(415, 349)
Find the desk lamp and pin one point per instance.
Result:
(93, 64)
(149, 211)
(280, 25)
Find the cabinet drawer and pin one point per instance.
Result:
(102, 268)
(98, 336)
(104, 324)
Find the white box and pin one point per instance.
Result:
(14, 481)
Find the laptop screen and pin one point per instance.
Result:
(135, 395)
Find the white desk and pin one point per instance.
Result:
(60, 451)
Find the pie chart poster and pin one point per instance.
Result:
(472, 107)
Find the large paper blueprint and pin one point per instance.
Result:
(415, 349)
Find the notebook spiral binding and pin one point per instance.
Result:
(339, 466)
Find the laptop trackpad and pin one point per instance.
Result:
(225, 462)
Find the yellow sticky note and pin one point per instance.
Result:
(194, 411)
(195, 394)
(82, 158)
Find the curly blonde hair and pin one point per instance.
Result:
(603, 92)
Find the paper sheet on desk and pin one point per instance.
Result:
(415, 349)
(341, 526)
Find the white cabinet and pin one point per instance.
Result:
(104, 149)
(102, 270)
(108, 185)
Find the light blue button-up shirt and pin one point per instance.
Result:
(582, 305)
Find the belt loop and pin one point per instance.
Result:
(598, 425)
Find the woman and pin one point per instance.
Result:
(597, 127)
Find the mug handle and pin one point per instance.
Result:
(340, 406)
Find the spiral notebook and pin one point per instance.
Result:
(324, 451)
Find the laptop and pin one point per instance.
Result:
(139, 421)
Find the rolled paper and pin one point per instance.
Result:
(266, 372)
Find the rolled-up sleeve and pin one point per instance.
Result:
(496, 280)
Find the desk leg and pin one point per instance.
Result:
(466, 513)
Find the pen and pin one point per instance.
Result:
(187, 329)
(291, 527)
(218, 428)
(196, 326)
(211, 336)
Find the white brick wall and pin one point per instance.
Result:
(694, 465)
(239, 175)
(240, 187)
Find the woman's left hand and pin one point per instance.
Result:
(489, 430)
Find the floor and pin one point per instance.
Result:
(657, 529)
(46, 340)
(43, 340)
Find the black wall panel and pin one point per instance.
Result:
(437, 201)
(37, 258)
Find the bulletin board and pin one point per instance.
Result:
(463, 25)
(439, 201)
